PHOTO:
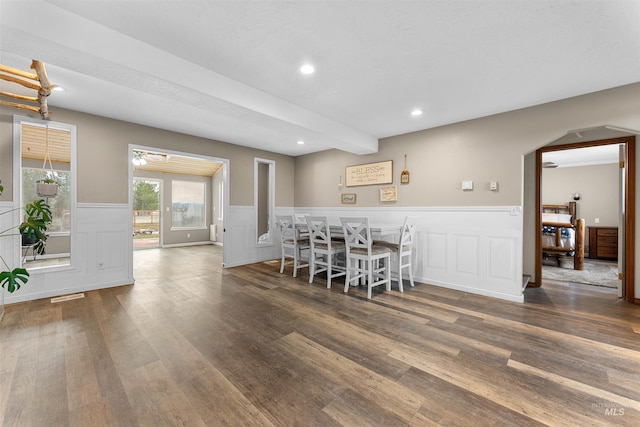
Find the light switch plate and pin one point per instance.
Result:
(467, 185)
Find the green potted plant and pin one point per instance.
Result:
(47, 187)
(36, 222)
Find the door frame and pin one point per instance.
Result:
(629, 198)
(226, 166)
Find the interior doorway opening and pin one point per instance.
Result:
(177, 198)
(625, 208)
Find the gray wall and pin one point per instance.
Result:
(102, 148)
(488, 149)
(482, 150)
(598, 185)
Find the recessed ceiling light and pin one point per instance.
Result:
(307, 69)
(300, 142)
(58, 89)
(416, 112)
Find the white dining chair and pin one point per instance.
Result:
(300, 219)
(364, 259)
(292, 243)
(402, 251)
(324, 253)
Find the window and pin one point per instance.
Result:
(60, 205)
(188, 204)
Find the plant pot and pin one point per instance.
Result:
(46, 190)
(28, 239)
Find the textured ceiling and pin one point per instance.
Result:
(227, 70)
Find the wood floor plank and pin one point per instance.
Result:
(9, 355)
(353, 409)
(588, 344)
(408, 302)
(252, 347)
(503, 390)
(282, 386)
(447, 404)
(156, 399)
(581, 387)
(82, 383)
(217, 401)
(433, 331)
(626, 380)
(388, 394)
(93, 414)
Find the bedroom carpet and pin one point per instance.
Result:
(597, 273)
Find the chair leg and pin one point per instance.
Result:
(400, 284)
(329, 262)
(282, 262)
(410, 267)
(347, 277)
(388, 273)
(296, 258)
(312, 266)
(370, 279)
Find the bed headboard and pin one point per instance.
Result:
(568, 209)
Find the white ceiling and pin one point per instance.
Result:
(596, 155)
(228, 70)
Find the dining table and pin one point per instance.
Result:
(379, 231)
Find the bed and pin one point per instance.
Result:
(562, 234)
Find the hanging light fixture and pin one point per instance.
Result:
(138, 158)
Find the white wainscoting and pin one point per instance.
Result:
(240, 241)
(101, 256)
(472, 249)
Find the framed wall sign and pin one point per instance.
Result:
(404, 176)
(388, 194)
(348, 199)
(370, 174)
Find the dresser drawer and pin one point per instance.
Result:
(608, 241)
(603, 243)
(607, 232)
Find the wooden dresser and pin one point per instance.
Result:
(603, 243)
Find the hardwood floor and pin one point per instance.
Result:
(193, 344)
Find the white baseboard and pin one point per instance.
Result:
(178, 245)
(12, 299)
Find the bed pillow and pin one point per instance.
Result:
(564, 218)
(549, 217)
